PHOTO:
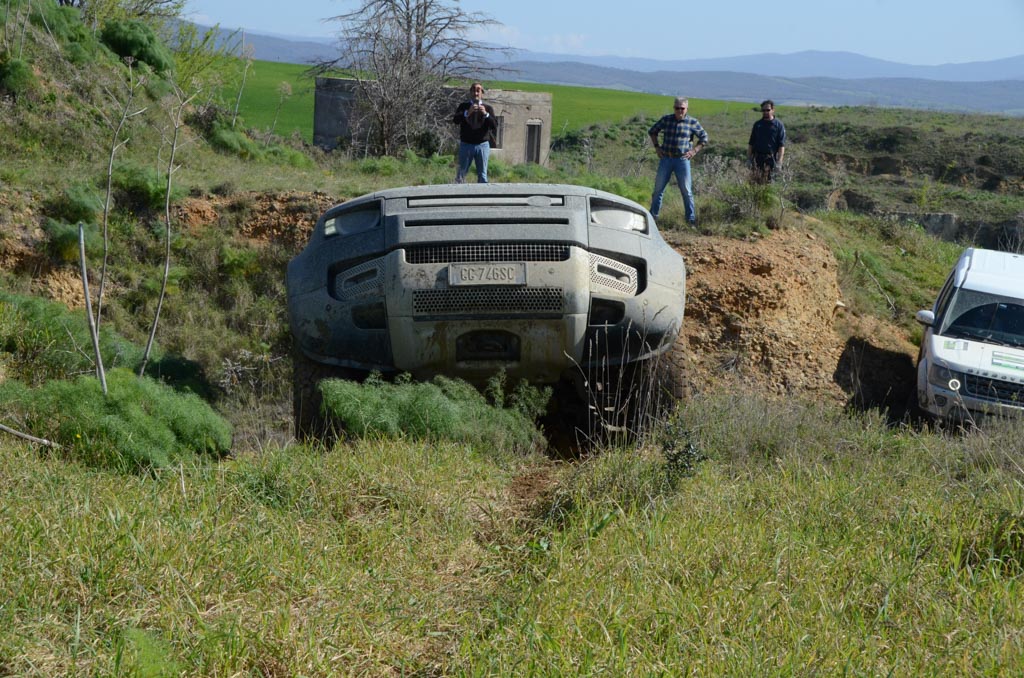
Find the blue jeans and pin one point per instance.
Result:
(469, 153)
(666, 168)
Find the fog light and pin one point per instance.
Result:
(941, 401)
(606, 312)
(370, 317)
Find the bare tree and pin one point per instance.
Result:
(248, 56)
(118, 141)
(284, 91)
(177, 109)
(401, 53)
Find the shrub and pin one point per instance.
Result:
(239, 262)
(384, 166)
(140, 424)
(79, 54)
(132, 38)
(223, 138)
(16, 77)
(77, 203)
(44, 340)
(65, 23)
(444, 408)
(289, 156)
(63, 243)
(143, 187)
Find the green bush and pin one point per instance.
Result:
(445, 408)
(16, 77)
(76, 203)
(131, 38)
(63, 240)
(43, 340)
(65, 23)
(224, 138)
(289, 156)
(143, 187)
(79, 54)
(239, 262)
(140, 424)
(384, 166)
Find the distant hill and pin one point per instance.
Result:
(278, 48)
(808, 64)
(1005, 96)
(810, 77)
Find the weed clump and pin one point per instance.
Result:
(63, 243)
(42, 340)
(143, 187)
(16, 77)
(135, 39)
(140, 424)
(444, 408)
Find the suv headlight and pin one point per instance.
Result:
(611, 215)
(355, 220)
(943, 377)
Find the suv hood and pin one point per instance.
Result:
(977, 357)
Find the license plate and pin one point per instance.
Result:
(513, 273)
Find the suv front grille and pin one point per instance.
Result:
(445, 254)
(984, 388)
(503, 301)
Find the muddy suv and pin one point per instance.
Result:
(550, 283)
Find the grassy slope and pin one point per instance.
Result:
(808, 542)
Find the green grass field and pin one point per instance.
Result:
(573, 108)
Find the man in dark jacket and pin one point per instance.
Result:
(767, 144)
(477, 124)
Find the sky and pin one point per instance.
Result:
(918, 32)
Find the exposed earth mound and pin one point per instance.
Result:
(763, 315)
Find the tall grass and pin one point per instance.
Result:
(806, 541)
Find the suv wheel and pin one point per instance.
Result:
(307, 401)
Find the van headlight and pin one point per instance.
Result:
(943, 377)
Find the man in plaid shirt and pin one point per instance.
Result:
(677, 132)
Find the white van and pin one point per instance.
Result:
(972, 352)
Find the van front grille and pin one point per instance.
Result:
(503, 301)
(996, 390)
(449, 254)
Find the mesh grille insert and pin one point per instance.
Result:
(442, 254)
(506, 301)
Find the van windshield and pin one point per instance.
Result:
(982, 316)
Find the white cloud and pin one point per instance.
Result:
(511, 36)
(575, 43)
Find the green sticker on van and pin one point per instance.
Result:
(1008, 361)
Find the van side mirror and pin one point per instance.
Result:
(925, 317)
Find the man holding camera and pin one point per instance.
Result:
(477, 124)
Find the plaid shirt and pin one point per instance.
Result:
(678, 134)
